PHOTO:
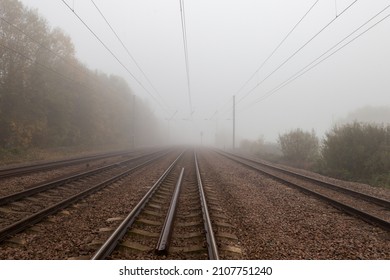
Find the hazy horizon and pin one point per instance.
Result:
(227, 42)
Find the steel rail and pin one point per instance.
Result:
(57, 182)
(339, 205)
(212, 247)
(22, 170)
(109, 245)
(33, 219)
(166, 232)
(379, 201)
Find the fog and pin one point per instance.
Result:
(228, 40)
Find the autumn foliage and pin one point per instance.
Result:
(48, 98)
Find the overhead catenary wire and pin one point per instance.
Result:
(185, 45)
(296, 52)
(277, 47)
(324, 56)
(272, 53)
(310, 67)
(114, 56)
(128, 51)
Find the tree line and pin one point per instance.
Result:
(48, 98)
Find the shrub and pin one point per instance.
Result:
(358, 151)
(299, 148)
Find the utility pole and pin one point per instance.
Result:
(133, 130)
(216, 130)
(234, 122)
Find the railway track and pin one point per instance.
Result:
(22, 209)
(49, 165)
(135, 217)
(178, 218)
(371, 209)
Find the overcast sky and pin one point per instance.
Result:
(228, 40)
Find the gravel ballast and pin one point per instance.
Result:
(278, 222)
(270, 220)
(75, 232)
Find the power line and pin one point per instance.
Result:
(127, 50)
(318, 60)
(296, 52)
(277, 47)
(272, 53)
(184, 33)
(115, 57)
